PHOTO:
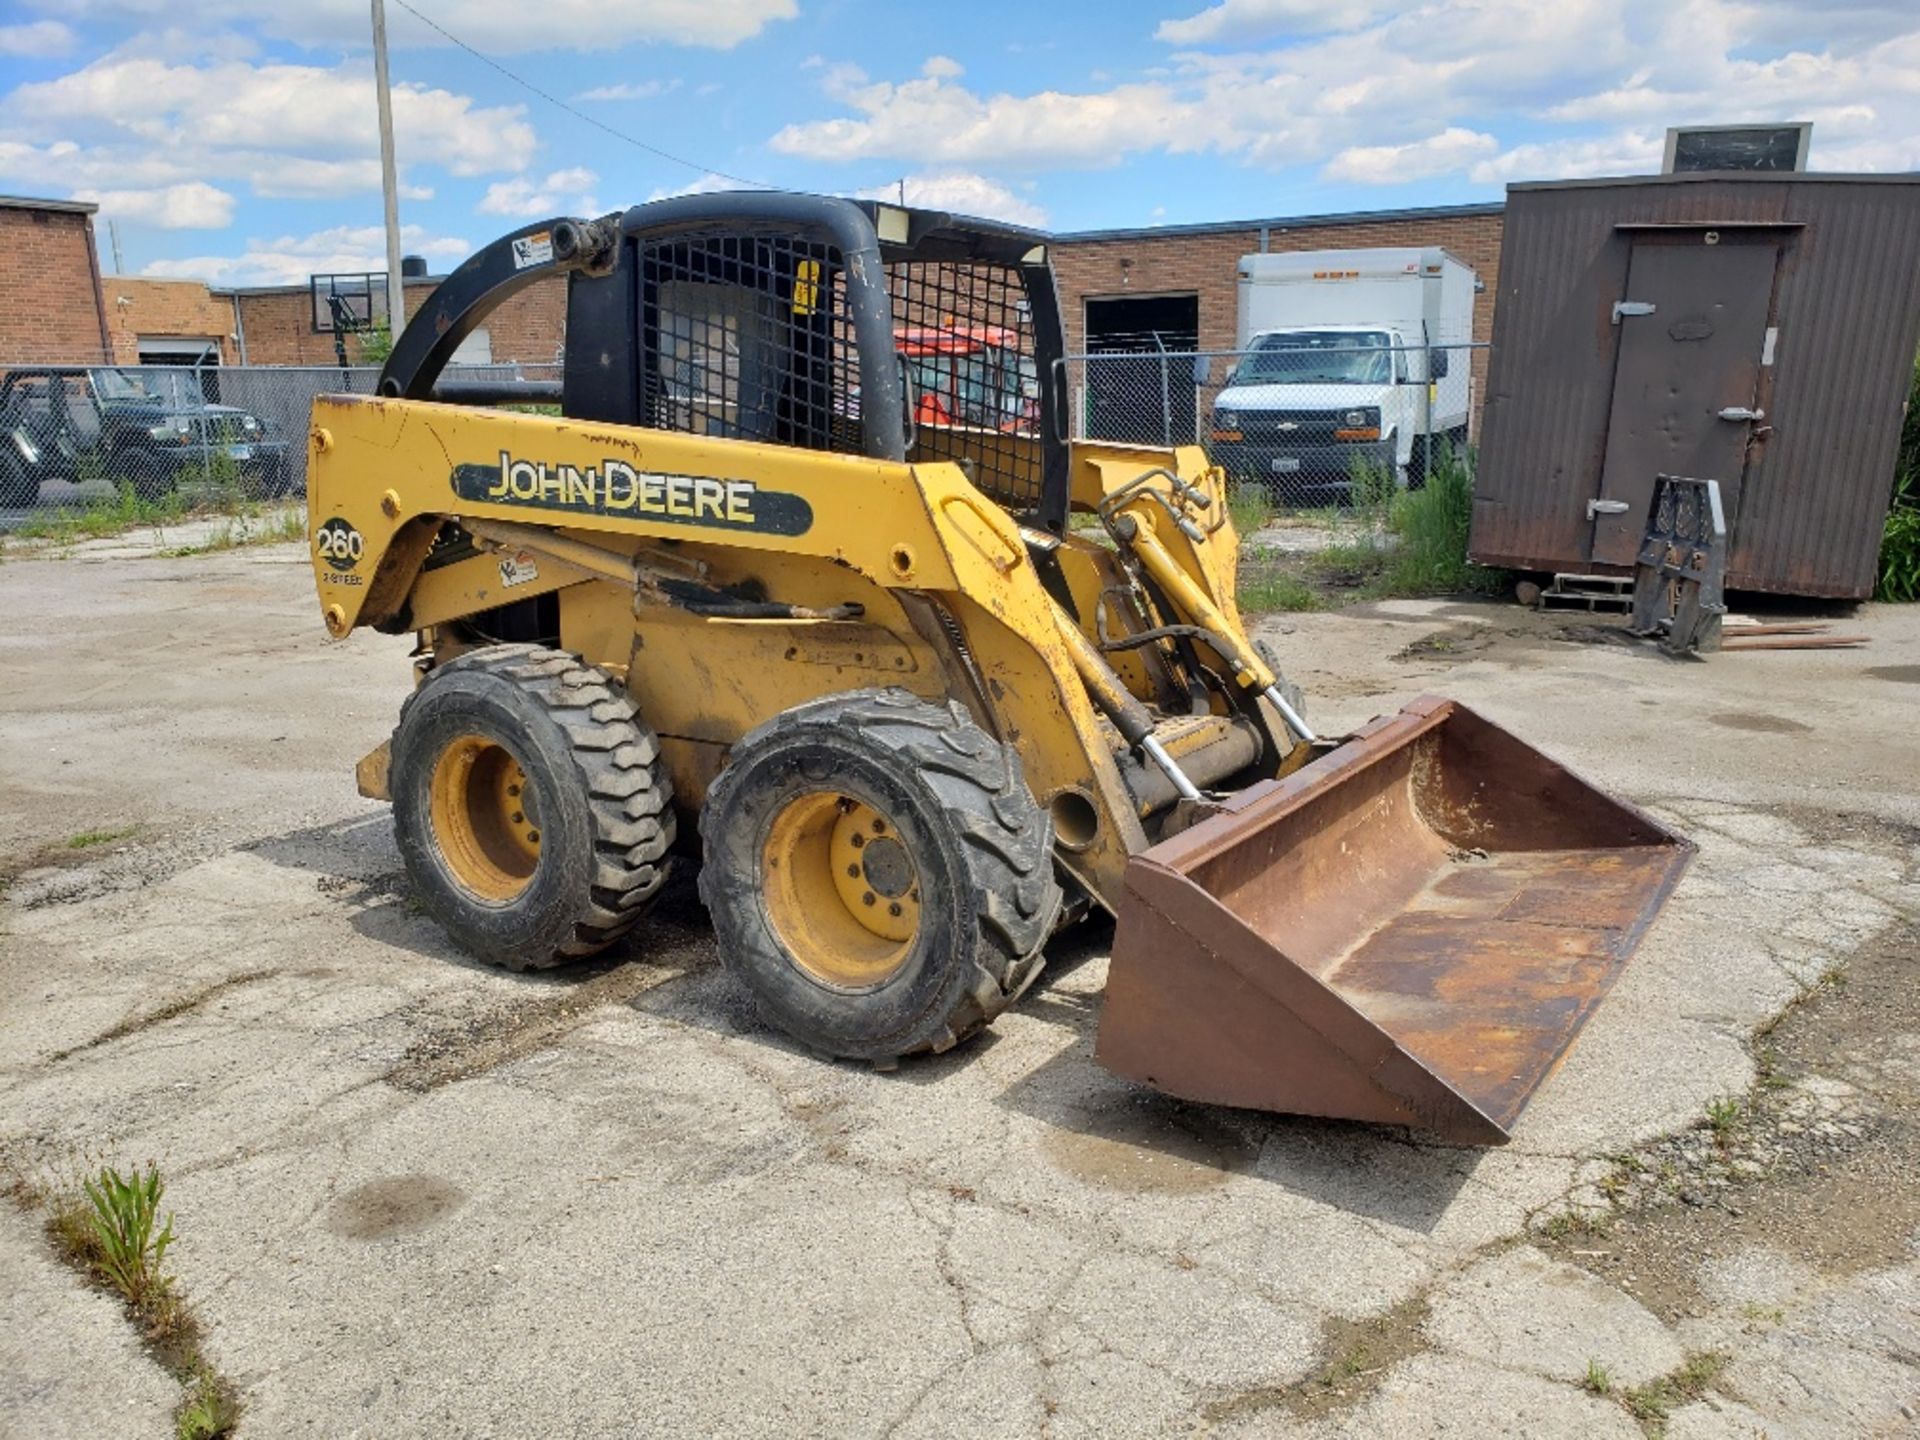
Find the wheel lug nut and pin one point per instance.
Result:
(894, 908)
(858, 841)
(853, 872)
(867, 899)
(879, 827)
(533, 835)
(518, 817)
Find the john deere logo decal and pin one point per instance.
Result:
(613, 487)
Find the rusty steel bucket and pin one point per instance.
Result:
(1410, 930)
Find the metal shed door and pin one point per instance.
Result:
(1693, 356)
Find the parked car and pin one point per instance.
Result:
(148, 428)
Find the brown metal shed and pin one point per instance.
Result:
(1757, 331)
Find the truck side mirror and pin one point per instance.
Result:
(1436, 364)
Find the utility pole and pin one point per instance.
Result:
(113, 234)
(389, 183)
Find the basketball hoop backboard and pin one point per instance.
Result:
(358, 301)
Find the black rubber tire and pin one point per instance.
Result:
(19, 490)
(607, 820)
(981, 845)
(152, 475)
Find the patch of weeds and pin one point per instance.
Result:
(243, 530)
(90, 839)
(107, 1226)
(1263, 589)
(1654, 1401)
(1431, 525)
(1899, 578)
(1250, 506)
(210, 1410)
(1349, 562)
(1724, 1115)
(1770, 1314)
(1596, 1381)
(130, 1244)
(1569, 1223)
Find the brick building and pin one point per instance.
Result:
(274, 325)
(50, 301)
(159, 322)
(1198, 263)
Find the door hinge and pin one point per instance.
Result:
(1742, 412)
(1631, 307)
(1606, 507)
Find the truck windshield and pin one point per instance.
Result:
(1317, 357)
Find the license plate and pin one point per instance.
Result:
(240, 452)
(1285, 465)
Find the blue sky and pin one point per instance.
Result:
(234, 140)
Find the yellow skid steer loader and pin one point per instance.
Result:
(729, 573)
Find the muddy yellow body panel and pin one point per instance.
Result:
(1410, 930)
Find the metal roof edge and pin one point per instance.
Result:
(65, 207)
(1283, 223)
(1720, 177)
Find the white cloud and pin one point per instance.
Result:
(933, 119)
(195, 205)
(307, 110)
(942, 67)
(1244, 20)
(38, 39)
(498, 27)
(1373, 96)
(644, 90)
(1443, 154)
(1630, 153)
(291, 259)
(131, 122)
(564, 192)
(964, 193)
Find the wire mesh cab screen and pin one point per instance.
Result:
(748, 336)
(964, 332)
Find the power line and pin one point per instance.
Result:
(579, 114)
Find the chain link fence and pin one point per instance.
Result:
(1306, 422)
(75, 434)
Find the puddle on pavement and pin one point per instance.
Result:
(394, 1205)
(1899, 674)
(1759, 724)
(1159, 1150)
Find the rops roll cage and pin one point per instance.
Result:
(869, 236)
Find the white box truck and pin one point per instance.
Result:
(1336, 371)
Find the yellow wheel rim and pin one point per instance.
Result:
(485, 818)
(841, 890)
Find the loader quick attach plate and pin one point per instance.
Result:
(1410, 930)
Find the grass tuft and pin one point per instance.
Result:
(108, 1227)
(130, 1247)
(1596, 1381)
(1431, 526)
(1899, 577)
(1654, 1401)
(1266, 588)
(1724, 1115)
(89, 839)
(1250, 506)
